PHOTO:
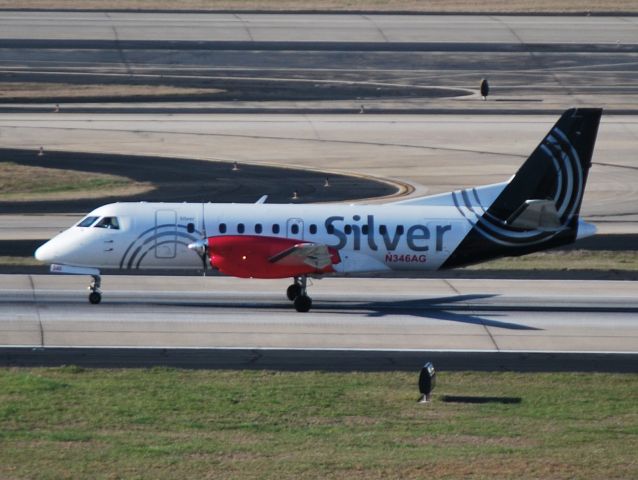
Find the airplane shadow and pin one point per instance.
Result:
(441, 308)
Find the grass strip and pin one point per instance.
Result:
(448, 6)
(20, 261)
(28, 183)
(166, 423)
(565, 260)
(64, 91)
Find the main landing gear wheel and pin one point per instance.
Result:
(297, 293)
(293, 291)
(303, 303)
(95, 296)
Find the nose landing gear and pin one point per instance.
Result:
(297, 293)
(95, 296)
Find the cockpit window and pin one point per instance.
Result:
(108, 222)
(87, 222)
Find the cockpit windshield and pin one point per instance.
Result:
(87, 222)
(108, 222)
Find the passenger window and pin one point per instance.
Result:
(275, 228)
(222, 228)
(364, 229)
(240, 228)
(108, 222)
(190, 228)
(330, 229)
(87, 222)
(313, 229)
(258, 228)
(294, 229)
(347, 229)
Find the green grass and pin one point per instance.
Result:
(164, 423)
(19, 261)
(86, 184)
(566, 260)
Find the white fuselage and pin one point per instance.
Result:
(538, 208)
(369, 238)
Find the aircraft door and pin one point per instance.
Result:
(165, 233)
(294, 228)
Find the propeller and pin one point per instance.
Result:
(201, 248)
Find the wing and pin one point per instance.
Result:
(312, 254)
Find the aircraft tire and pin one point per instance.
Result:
(293, 291)
(303, 303)
(95, 298)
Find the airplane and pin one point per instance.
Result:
(536, 209)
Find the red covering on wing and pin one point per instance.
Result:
(248, 256)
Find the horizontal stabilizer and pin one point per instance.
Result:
(536, 215)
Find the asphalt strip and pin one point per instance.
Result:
(319, 360)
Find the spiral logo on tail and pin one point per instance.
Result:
(567, 195)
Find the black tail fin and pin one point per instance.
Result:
(555, 173)
(557, 169)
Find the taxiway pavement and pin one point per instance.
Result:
(322, 62)
(253, 27)
(348, 314)
(432, 153)
(395, 61)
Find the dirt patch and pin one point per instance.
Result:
(476, 440)
(62, 91)
(19, 183)
(348, 420)
(449, 6)
(566, 260)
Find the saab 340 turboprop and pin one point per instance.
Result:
(537, 209)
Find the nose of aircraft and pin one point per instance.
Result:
(45, 253)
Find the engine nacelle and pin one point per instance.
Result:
(248, 256)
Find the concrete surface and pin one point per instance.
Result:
(368, 314)
(249, 27)
(433, 153)
(342, 61)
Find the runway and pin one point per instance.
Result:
(348, 314)
(251, 27)
(386, 61)
(306, 62)
(324, 63)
